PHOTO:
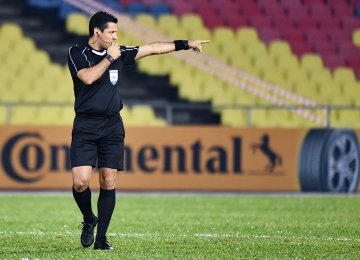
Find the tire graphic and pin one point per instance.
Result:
(329, 161)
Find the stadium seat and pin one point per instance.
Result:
(234, 117)
(147, 20)
(145, 116)
(3, 115)
(247, 36)
(159, 9)
(310, 62)
(11, 31)
(77, 23)
(343, 76)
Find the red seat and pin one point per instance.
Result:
(290, 3)
(260, 22)
(235, 22)
(315, 35)
(297, 12)
(300, 48)
(348, 50)
(350, 23)
(328, 24)
(354, 63)
(320, 11)
(339, 35)
(324, 48)
(283, 24)
(269, 34)
(250, 10)
(337, 3)
(333, 61)
(304, 23)
(181, 9)
(342, 11)
(293, 36)
(313, 2)
(213, 21)
(355, 3)
(151, 2)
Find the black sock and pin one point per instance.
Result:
(83, 200)
(106, 205)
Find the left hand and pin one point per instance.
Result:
(196, 45)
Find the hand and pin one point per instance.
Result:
(196, 45)
(114, 50)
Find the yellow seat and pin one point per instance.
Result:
(24, 47)
(286, 63)
(223, 35)
(307, 89)
(11, 31)
(199, 33)
(243, 63)
(244, 98)
(66, 116)
(234, 117)
(339, 101)
(3, 115)
(256, 50)
(168, 24)
(147, 20)
(152, 65)
(344, 75)
(247, 36)
(145, 116)
(77, 23)
(127, 116)
(329, 89)
(192, 22)
(24, 115)
(224, 98)
(273, 76)
(311, 62)
(352, 90)
(278, 49)
(296, 75)
(356, 37)
(346, 118)
(260, 118)
(262, 64)
(320, 76)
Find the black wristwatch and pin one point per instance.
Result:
(110, 58)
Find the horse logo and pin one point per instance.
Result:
(264, 147)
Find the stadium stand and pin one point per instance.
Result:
(308, 48)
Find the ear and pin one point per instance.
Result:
(96, 31)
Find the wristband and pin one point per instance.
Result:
(181, 45)
(110, 58)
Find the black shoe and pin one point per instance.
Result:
(87, 234)
(102, 244)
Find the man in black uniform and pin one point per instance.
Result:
(98, 131)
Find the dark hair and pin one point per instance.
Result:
(100, 20)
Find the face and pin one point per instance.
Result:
(108, 36)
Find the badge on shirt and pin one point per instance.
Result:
(113, 76)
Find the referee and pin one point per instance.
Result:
(98, 131)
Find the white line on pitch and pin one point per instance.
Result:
(209, 235)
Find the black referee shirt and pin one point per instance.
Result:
(101, 99)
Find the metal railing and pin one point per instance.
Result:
(170, 108)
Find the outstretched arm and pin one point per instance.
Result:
(166, 47)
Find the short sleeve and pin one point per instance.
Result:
(128, 54)
(77, 59)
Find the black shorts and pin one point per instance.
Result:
(98, 142)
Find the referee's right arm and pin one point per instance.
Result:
(91, 74)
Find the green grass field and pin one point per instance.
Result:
(188, 226)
